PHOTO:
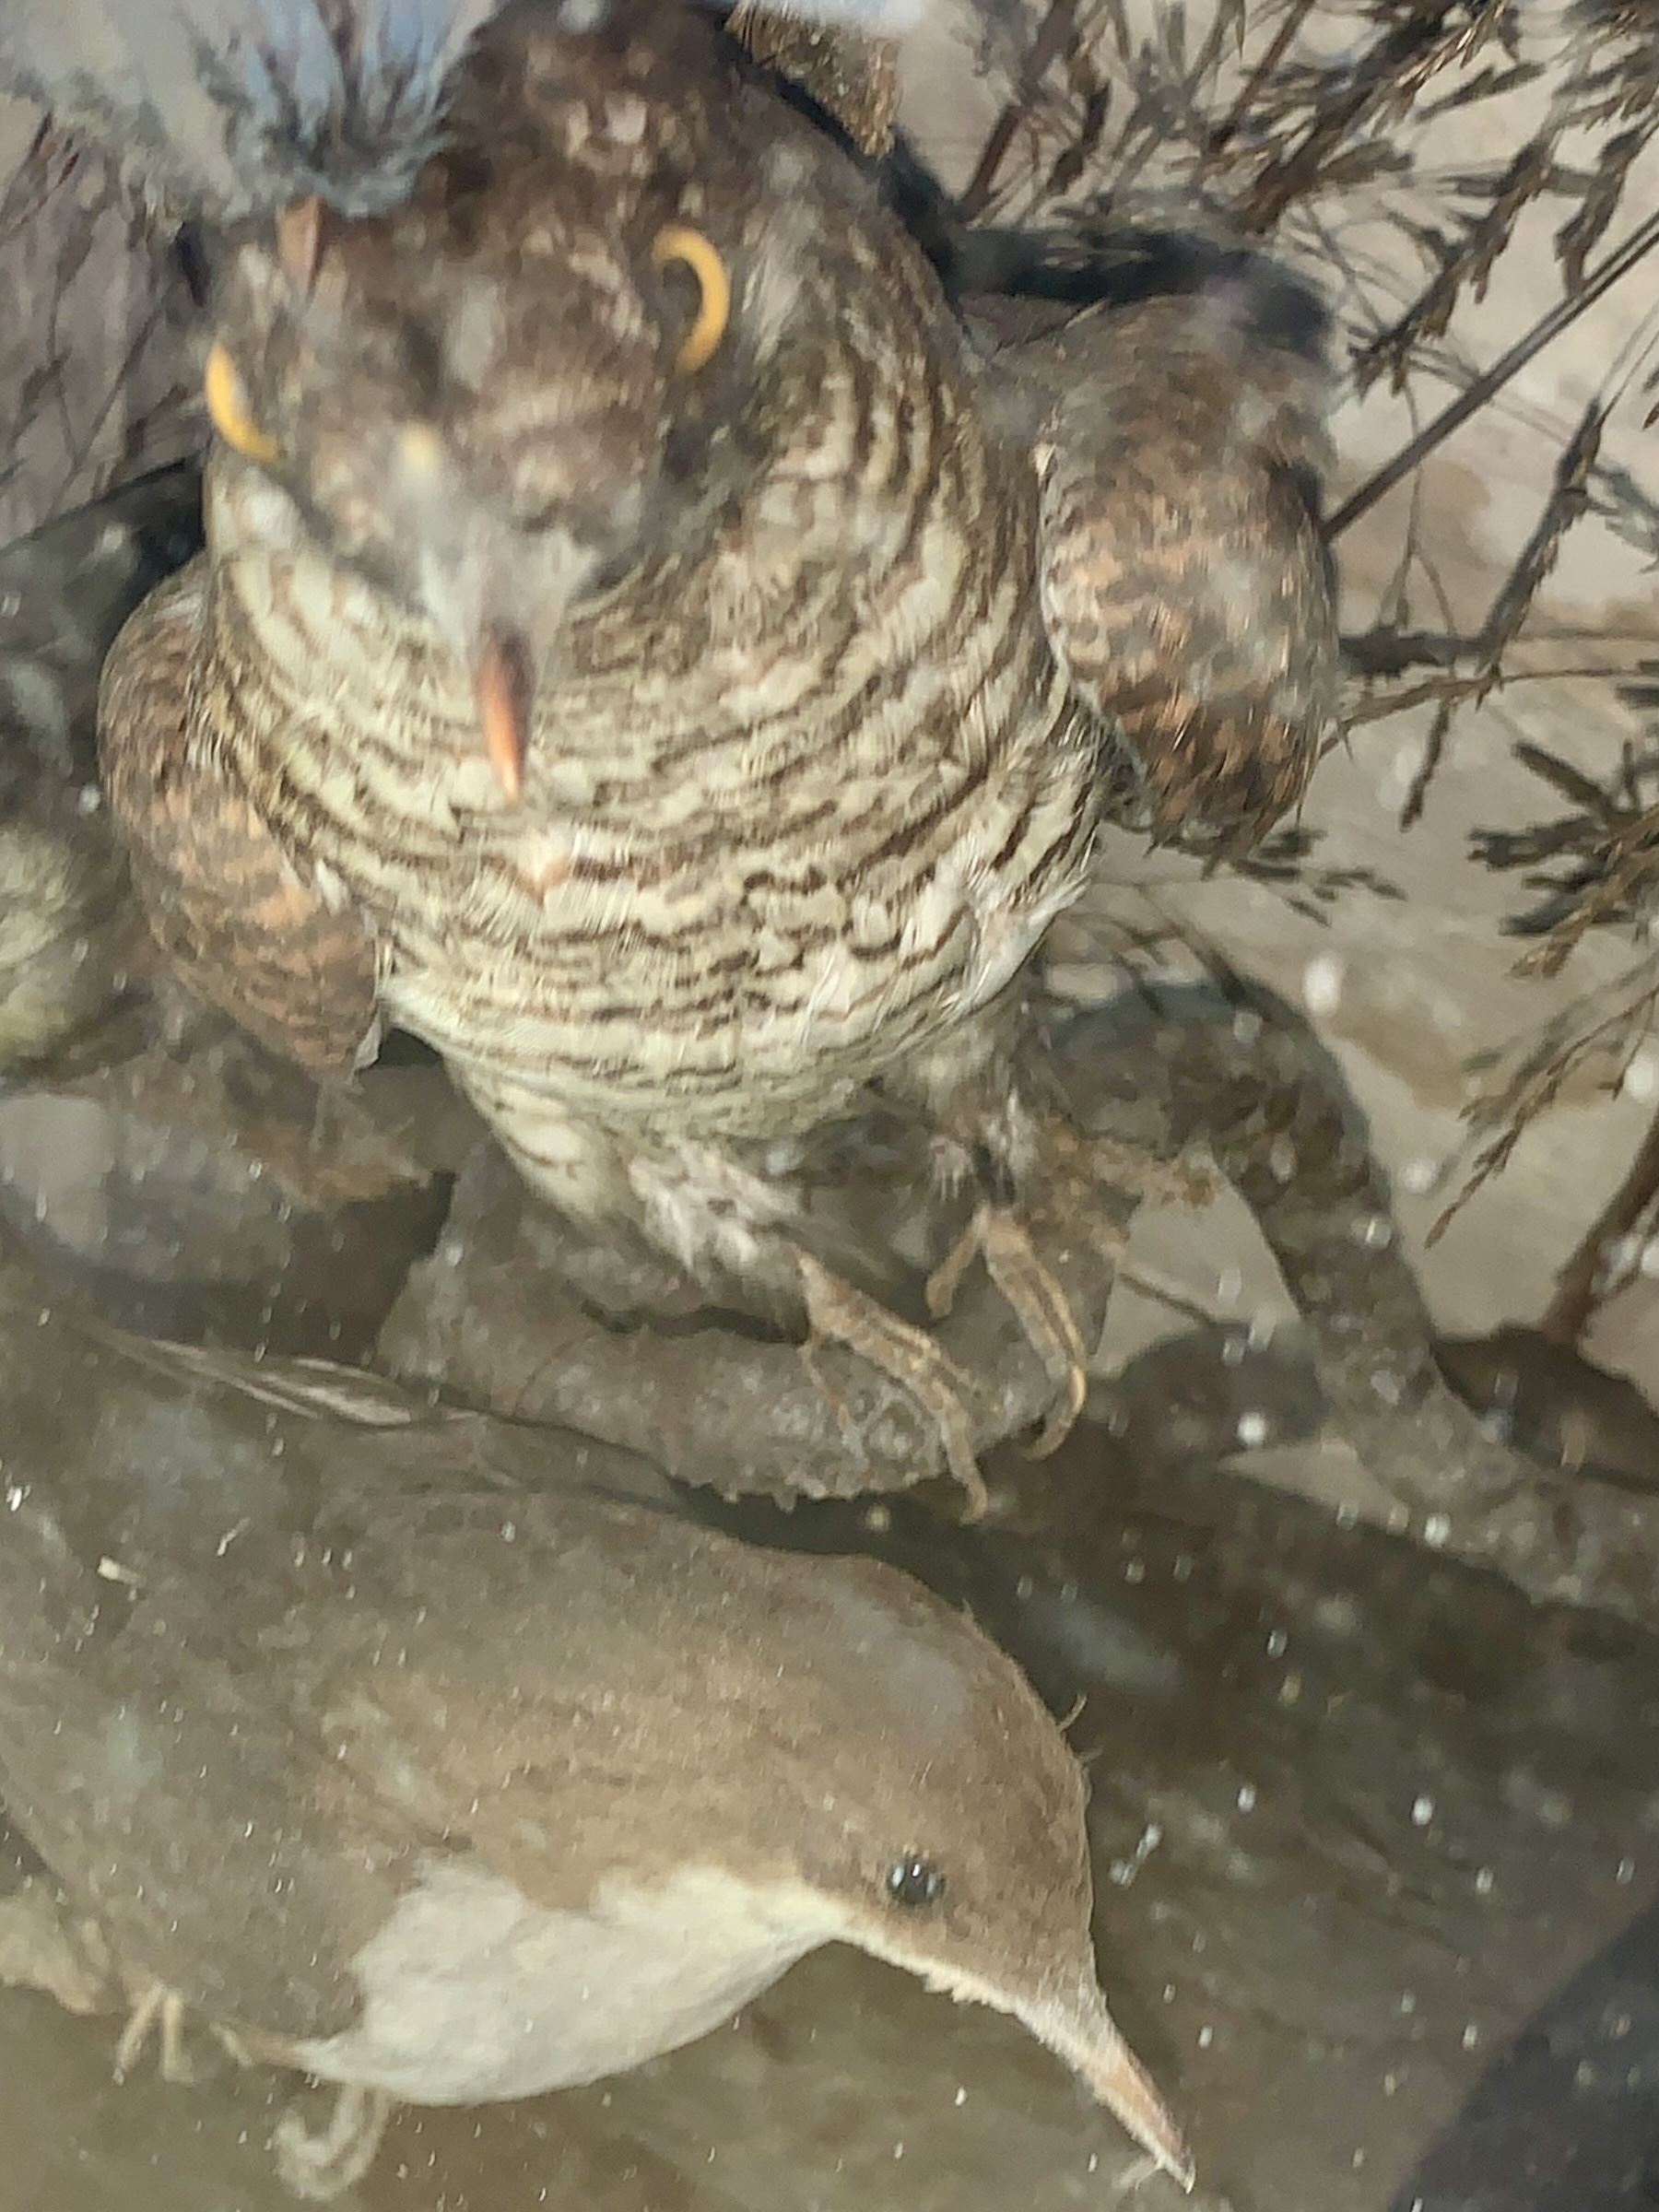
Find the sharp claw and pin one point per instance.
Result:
(838, 1314)
(996, 1235)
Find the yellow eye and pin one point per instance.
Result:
(228, 405)
(679, 242)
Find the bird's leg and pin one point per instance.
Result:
(996, 1234)
(719, 1215)
(1060, 1181)
(157, 2011)
(837, 1313)
(320, 2163)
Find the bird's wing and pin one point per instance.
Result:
(1173, 391)
(1185, 593)
(223, 1853)
(240, 920)
(186, 1627)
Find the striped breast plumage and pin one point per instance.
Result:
(621, 623)
(797, 799)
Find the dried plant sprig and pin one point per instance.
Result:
(1609, 841)
(1610, 1025)
(1606, 1260)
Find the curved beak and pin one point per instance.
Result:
(504, 687)
(510, 633)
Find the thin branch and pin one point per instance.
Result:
(1050, 43)
(1582, 1288)
(1227, 130)
(1565, 312)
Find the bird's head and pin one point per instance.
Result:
(848, 1739)
(501, 398)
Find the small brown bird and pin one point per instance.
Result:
(442, 1759)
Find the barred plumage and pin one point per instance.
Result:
(802, 785)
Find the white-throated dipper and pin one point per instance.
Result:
(447, 1761)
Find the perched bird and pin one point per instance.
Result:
(442, 1759)
(619, 661)
(630, 655)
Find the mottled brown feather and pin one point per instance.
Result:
(227, 903)
(1186, 582)
(803, 784)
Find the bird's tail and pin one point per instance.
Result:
(1101, 263)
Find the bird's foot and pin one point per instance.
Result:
(1067, 1177)
(159, 2012)
(837, 1313)
(320, 2163)
(997, 1236)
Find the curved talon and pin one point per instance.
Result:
(837, 1313)
(996, 1236)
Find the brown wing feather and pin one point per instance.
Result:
(230, 909)
(1185, 584)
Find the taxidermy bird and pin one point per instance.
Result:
(620, 660)
(449, 1763)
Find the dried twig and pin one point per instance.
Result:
(1561, 317)
(1599, 1265)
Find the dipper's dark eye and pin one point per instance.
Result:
(913, 1883)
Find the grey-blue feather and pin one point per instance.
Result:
(223, 107)
(226, 108)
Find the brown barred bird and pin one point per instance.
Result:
(620, 658)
